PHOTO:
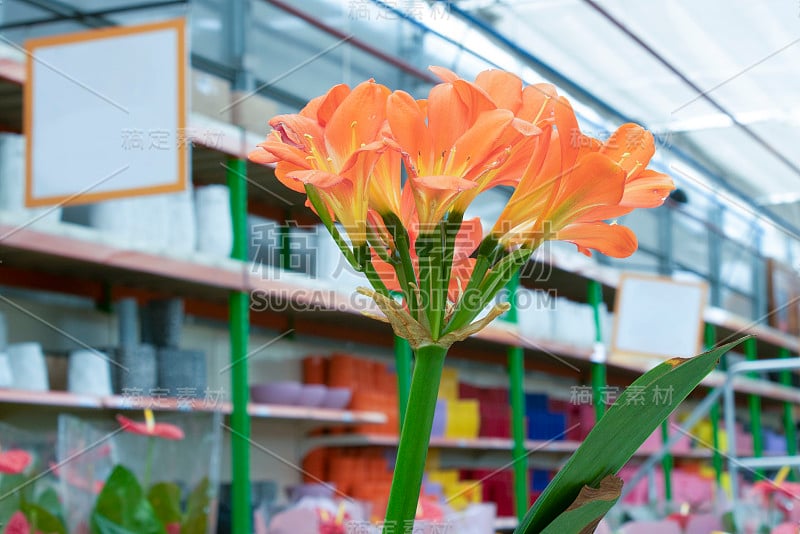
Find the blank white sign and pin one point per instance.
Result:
(105, 114)
(658, 316)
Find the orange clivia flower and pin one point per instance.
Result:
(333, 144)
(580, 183)
(455, 144)
(530, 104)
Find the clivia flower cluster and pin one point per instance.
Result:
(348, 150)
(397, 174)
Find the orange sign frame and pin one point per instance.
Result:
(95, 34)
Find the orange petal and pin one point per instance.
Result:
(262, 157)
(504, 88)
(448, 118)
(434, 195)
(569, 134)
(357, 120)
(386, 273)
(319, 179)
(595, 181)
(474, 98)
(278, 151)
(630, 146)
(384, 186)
(443, 183)
(538, 103)
(468, 238)
(480, 142)
(330, 102)
(407, 123)
(647, 189)
(611, 239)
(282, 172)
(293, 128)
(446, 75)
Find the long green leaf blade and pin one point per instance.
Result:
(588, 509)
(621, 431)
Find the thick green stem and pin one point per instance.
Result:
(402, 359)
(414, 439)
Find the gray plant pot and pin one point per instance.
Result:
(127, 321)
(136, 371)
(181, 372)
(162, 322)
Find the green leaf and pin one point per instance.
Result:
(44, 521)
(49, 501)
(585, 513)
(165, 498)
(197, 509)
(121, 507)
(620, 432)
(12, 498)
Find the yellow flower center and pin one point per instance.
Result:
(149, 420)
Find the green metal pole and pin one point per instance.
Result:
(666, 464)
(402, 359)
(788, 416)
(239, 334)
(714, 414)
(598, 368)
(754, 402)
(516, 375)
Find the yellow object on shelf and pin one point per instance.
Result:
(462, 494)
(463, 419)
(457, 493)
(445, 477)
(448, 387)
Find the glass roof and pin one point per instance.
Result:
(743, 55)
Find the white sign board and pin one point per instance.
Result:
(105, 114)
(658, 317)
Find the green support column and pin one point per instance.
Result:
(666, 464)
(402, 359)
(710, 339)
(598, 368)
(788, 416)
(239, 334)
(754, 402)
(516, 374)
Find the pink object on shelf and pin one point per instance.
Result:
(312, 395)
(276, 393)
(650, 527)
(691, 488)
(337, 398)
(703, 524)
